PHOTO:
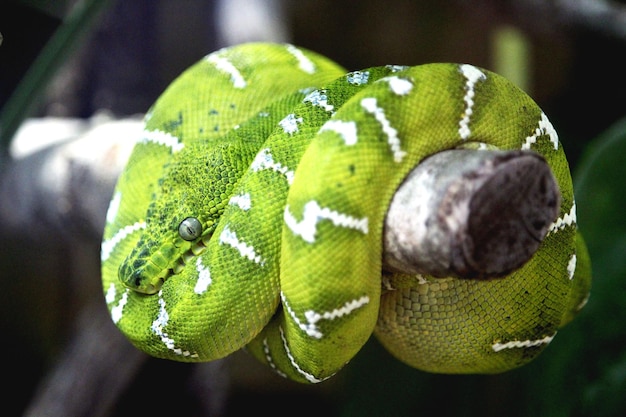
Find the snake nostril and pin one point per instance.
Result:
(137, 278)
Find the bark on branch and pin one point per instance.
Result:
(471, 214)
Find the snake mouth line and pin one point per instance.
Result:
(196, 249)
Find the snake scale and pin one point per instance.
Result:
(250, 215)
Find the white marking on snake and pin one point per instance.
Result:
(347, 130)
(306, 91)
(108, 245)
(497, 347)
(269, 359)
(358, 77)
(114, 207)
(118, 310)
(224, 65)
(241, 200)
(204, 278)
(265, 160)
(290, 123)
(304, 63)
(472, 75)
(309, 377)
(161, 138)
(399, 86)
(396, 68)
(111, 293)
(371, 106)
(319, 98)
(228, 237)
(571, 266)
(313, 213)
(562, 222)
(312, 317)
(388, 285)
(160, 323)
(583, 303)
(544, 128)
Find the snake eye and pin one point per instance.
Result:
(190, 228)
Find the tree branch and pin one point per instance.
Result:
(470, 214)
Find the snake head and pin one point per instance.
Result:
(181, 216)
(150, 264)
(145, 271)
(141, 279)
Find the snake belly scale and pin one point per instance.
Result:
(250, 215)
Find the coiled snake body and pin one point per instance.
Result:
(251, 212)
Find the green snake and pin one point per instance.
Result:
(250, 215)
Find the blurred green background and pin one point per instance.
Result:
(74, 59)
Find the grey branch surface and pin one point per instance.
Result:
(470, 214)
(64, 183)
(602, 16)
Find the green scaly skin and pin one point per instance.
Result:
(289, 164)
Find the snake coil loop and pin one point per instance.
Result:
(251, 211)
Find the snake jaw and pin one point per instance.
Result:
(139, 279)
(152, 289)
(147, 277)
(196, 249)
(145, 271)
